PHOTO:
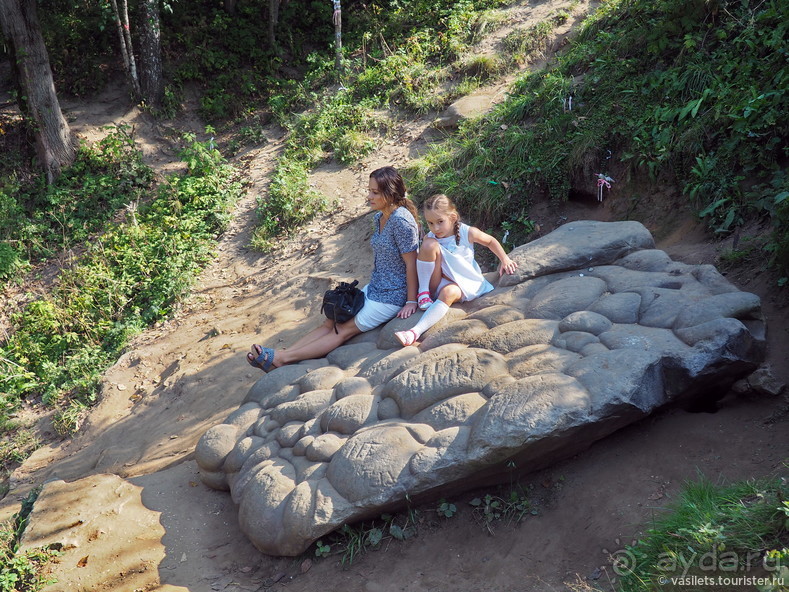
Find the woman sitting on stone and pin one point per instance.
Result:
(393, 284)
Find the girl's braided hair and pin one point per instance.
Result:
(443, 205)
(392, 186)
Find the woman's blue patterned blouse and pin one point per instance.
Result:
(400, 235)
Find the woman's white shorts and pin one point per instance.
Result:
(374, 314)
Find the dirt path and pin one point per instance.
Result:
(131, 504)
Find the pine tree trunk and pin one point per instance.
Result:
(37, 99)
(151, 83)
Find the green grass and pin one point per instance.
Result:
(16, 445)
(502, 508)
(690, 94)
(351, 541)
(713, 531)
(507, 506)
(22, 570)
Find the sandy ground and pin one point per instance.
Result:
(124, 496)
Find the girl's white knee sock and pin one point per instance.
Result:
(424, 270)
(431, 316)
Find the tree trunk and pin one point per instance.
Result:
(122, 22)
(230, 6)
(151, 83)
(337, 19)
(274, 7)
(273, 18)
(36, 97)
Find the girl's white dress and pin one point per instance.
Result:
(458, 264)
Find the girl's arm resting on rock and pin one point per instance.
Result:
(475, 235)
(412, 283)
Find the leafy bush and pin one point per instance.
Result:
(9, 261)
(482, 67)
(128, 277)
(779, 244)
(80, 38)
(229, 58)
(290, 203)
(51, 218)
(522, 43)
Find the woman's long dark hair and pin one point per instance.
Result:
(392, 186)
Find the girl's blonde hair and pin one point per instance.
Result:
(441, 204)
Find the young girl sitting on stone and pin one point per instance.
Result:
(446, 267)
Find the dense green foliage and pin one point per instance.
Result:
(226, 56)
(37, 221)
(81, 39)
(128, 277)
(733, 531)
(407, 67)
(338, 127)
(692, 93)
(20, 571)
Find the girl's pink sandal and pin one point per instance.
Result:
(407, 338)
(423, 300)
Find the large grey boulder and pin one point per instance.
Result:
(596, 330)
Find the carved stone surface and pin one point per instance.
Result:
(596, 330)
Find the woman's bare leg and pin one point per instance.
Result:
(323, 344)
(316, 333)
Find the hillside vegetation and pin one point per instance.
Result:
(691, 95)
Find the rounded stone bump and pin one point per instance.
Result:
(324, 447)
(215, 480)
(300, 447)
(214, 446)
(353, 385)
(289, 434)
(388, 409)
(241, 452)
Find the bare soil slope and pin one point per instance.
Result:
(126, 499)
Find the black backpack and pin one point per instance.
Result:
(342, 303)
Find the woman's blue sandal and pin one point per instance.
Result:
(264, 359)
